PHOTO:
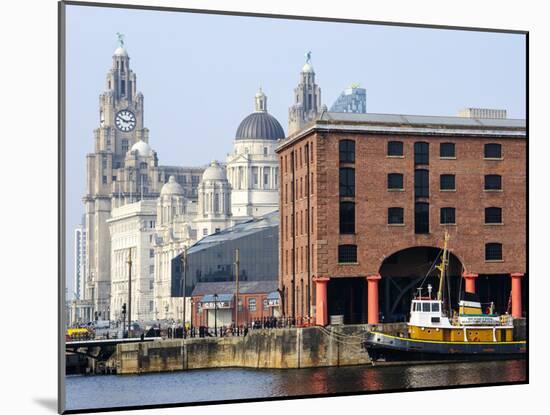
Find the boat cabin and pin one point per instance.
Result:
(427, 312)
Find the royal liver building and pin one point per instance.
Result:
(122, 169)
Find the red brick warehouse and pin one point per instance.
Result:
(365, 200)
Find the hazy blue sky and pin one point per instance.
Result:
(199, 74)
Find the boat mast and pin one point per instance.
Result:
(442, 266)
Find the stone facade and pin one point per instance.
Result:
(307, 100)
(132, 228)
(252, 168)
(310, 233)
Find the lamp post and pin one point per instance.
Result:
(216, 315)
(191, 317)
(184, 284)
(123, 319)
(237, 264)
(129, 291)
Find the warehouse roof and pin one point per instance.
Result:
(411, 125)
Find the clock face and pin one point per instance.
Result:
(125, 120)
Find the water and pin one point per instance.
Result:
(84, 392)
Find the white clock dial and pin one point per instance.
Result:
(125, 120)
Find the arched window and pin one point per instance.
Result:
(347, 253)
(493, 182)
(493, 251)
(447, 150)
(492, 151)
(395, 148)
(395, 181)
(493, 215)
(447, 216)
(395, 216)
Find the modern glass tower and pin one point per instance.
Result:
(352, 99)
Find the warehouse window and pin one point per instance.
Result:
(395, 181)
(493, 182)
(395, 216)
(447, 216)
(252, 304)
(347, 217)
(421, 153)
(493, 251)
(347, 253)
(447, 182)
(493, 151)
(347, 182)
(421, 218)
(447, 150)
(395, 148)
(421, 183)
(347, 151)
(493, 215)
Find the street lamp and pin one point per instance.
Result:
(216, 315)
(184, 283)
(191, 317)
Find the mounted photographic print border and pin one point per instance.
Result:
(330, 308)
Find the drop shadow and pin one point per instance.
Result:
(48, 403)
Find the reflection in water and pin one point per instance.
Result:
(226, 384)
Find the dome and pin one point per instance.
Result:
(260, 125)
(307, 68)
(120, 51)
(142, 148)
(214, 172)
(171, 188)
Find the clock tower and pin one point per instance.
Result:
(120, 128)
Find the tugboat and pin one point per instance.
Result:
(435, 333)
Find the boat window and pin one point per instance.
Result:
(426, 307)
(435, 306)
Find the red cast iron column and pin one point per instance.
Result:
(321, 309)
(372, 281)
(516, 294)
(470, 279)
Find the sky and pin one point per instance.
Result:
(199, 73)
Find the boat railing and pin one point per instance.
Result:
(506, 320)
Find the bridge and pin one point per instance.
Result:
(96, 352)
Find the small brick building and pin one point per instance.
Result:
(365, 200)
(216, 301)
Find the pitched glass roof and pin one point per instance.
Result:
(238, 231)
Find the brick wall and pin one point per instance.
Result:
(375, 239)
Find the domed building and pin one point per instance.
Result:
(214, 205)
(252, 168)
(173, 233)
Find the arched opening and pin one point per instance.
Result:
(404, 271)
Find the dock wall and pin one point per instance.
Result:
(260, 349)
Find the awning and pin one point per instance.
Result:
(221, 301)
(273, 299)
(274, 295)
